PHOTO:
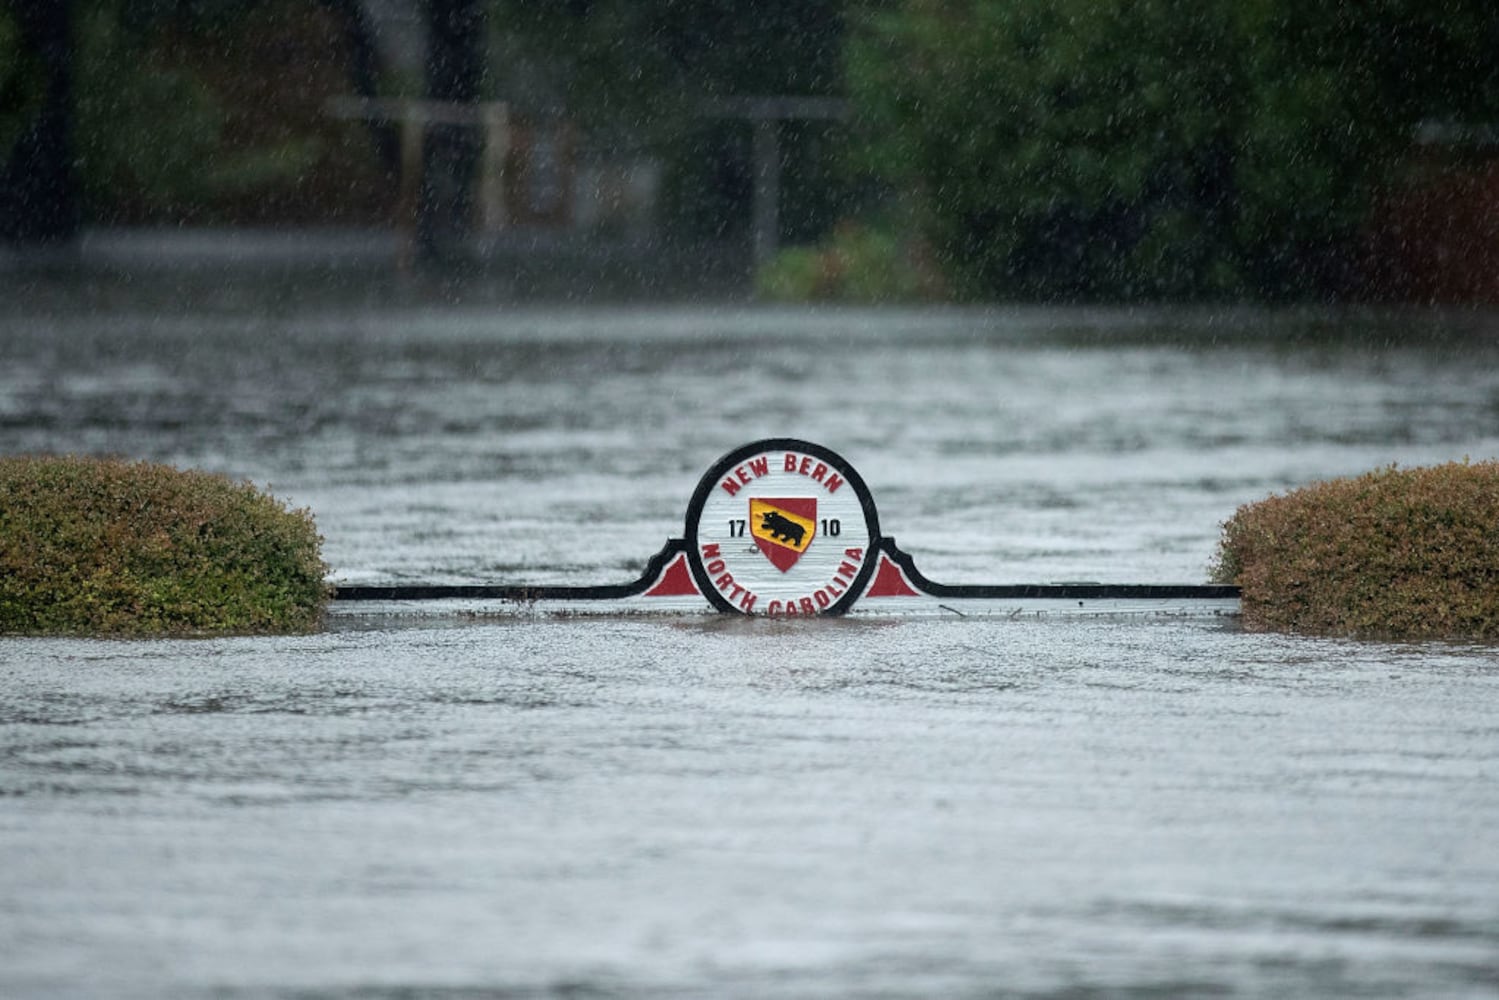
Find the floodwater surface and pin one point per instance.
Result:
(710, 806)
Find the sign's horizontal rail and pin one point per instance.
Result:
(521, 593)
(894, 585)
(1089, 591)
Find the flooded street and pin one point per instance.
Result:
(414, 807)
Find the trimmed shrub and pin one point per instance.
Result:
(856, 264)
(1395, 553)
(105, 547)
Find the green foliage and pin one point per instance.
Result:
(1157, 148)
(149, 128)
(141, 128)
(1406, 553)
(105, 547)
(856, 264)
(168, 104)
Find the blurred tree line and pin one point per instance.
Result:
(1128, 149)
(215, 111)
(185, 112)
(1039, 149)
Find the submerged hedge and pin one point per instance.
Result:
(1395, 553)
(105, 547)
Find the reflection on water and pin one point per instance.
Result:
(749, 808)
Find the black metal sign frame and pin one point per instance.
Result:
(816, 549)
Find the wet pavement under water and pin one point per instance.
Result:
(712, 806)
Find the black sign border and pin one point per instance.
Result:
(728, 462)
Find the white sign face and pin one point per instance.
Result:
(782, 527)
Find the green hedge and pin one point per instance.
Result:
(1157, 149)
(105, 547)
(856, 264)
(1396, 553)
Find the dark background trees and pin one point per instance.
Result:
(180, 112)
(1159, 148)
(1041, 149)
(215, 112)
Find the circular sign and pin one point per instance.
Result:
(782, 527)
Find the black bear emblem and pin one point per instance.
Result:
(782, 529)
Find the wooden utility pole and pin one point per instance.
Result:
(38, 186)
